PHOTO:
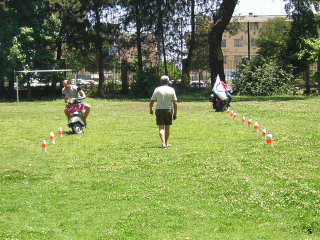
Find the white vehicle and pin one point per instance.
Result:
(196, 83)
(34, 83)
(86, 82)
(92, 82)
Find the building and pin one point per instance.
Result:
(243, 44)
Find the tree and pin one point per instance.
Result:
(273, 37)
(32, 33)
(200, 61)
(191, 45)
(96, 10)
(136, 12)
(304, 26)
(262, 77)
(148, 20)
(72, 15)
(9, 20)
(312, 54)
(221, 19)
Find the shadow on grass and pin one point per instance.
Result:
(272, 98)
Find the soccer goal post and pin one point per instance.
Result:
(35, 71)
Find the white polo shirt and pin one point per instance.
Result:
(164, 96)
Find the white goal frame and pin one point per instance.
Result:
(35, 71)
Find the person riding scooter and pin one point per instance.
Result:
(71, 91)
(221, 96)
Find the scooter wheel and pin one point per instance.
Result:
(77, 128)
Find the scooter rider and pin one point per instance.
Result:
(72, 91)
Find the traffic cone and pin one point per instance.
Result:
(264, 133)
(243, 120)
(44, 145)
(52, 138)
(235, 115)
(231, 114)
(228, 110)
(60, 131)
(256, 126)
(269, 139)
(249, 122)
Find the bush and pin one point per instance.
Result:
(145, 83)
(107, 88)
(262, 77)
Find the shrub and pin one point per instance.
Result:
(144, 83)
(262, 77)
(107, 88)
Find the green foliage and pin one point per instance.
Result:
(22, 51)
(304, 26)
(107, 88)
(262, 77)
(273, 37)
(16, 56)
(311, 51)
(173, 72)
(144, 83)
(200, 58)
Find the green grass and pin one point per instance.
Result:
(218, 180)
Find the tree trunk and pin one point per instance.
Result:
(318, 69)
(158, 55)
(200, 73)
(11, 91)
(307, 80)
(99, 52)
(164, 54)
(29, 91)
(59, 50)
(139, 41)
(124, 76)
(2, 88)
(160, 34)
(187, 62)
(221, 19)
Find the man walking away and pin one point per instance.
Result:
(165, 96)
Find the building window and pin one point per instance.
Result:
(238, 43)
(223, 43)
(253, 42)
(254, 26)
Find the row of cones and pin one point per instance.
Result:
(52, 139)
(268, 137)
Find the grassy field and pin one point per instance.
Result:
(218, 180)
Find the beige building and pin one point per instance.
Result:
(241, 45)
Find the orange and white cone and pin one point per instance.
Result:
(235, 115)
(243, 120)
(60, 131)
(256, 126)
(264, 133)
(249, 122)
(231, 114)
(228, 110)
(269, 139)
(44, 145)
(52, 138)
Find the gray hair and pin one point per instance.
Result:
(164, 80)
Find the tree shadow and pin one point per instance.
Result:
(272, 98)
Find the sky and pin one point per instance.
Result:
(260, 7)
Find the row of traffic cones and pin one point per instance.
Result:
(52, 139)
(268, 137)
